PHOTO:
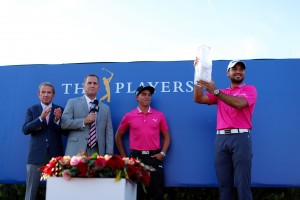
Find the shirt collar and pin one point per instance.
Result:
(237, 87)
(149, 110)
(88, 100)
(44, 105)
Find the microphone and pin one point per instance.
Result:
(94, 106)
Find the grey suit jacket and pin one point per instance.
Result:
(73, 120)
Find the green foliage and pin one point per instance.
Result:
(17, 192)
(212, 194)
(191, 193)
(12, 191)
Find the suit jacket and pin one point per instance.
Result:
(45, 139)
(73, 121)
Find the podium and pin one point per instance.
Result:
(90, 188)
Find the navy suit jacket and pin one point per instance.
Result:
(45, 139)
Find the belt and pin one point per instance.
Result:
(235, 130)
(144, 152)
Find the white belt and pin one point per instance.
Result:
(145, 152)
(235, 130)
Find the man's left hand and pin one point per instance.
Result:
(158, 156)
(57, 114)
(209, 86)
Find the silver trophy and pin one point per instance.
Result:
(203, 68)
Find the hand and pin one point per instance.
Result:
(90, 118)
(158, 156)
(209, 86)
(57, 114)
(45, 112)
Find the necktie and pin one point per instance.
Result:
(47, 117)
(92, 135)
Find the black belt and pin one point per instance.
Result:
(144, 152)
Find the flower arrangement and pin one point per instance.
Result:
(108, 166)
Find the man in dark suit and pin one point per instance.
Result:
(78, 119)
(42, 123)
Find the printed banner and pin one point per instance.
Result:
(189, 161)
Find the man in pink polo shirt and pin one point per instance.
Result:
(233, 145)
(146, 126)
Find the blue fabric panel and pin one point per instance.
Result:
(189, 161)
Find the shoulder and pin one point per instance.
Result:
(157, 112)
(251, 88)
(132, 112)
(103, 105)
(77, 99)
(35, 106)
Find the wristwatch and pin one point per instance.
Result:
(216, 92)
(163, 153)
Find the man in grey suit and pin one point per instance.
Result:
(42, 123)
(77, 119)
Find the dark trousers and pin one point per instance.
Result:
(33, 178)
(32, 181)
(233, 162)
(155, 190)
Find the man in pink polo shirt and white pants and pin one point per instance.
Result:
(233, 145)
(146, 127)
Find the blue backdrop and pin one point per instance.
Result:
(189, 161)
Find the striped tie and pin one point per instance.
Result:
(48, 116)
(92, 136)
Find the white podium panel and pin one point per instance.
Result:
(90, 188)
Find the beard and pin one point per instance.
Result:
(237, 81)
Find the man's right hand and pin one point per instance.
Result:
(45, 113)
(90, 118)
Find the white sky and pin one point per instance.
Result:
(72, 31)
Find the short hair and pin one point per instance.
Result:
(90, 75)
(47, 84)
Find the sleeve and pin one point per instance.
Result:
(163, 124)
(109, 134)
(123, 126)
(212, 98)
(68, 118)
(250, 94)
(31, 125)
